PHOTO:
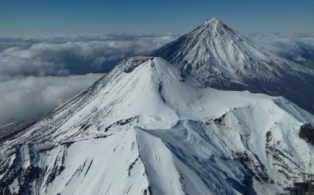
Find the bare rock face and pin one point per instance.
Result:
(307, 133)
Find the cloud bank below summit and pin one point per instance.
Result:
(297, 47)
(63, 56)
(31, 97)
(38, 74)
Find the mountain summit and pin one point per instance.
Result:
(214, 23)
(146, 128)
(222, 58)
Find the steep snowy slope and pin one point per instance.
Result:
(147, 129)
(222, 58)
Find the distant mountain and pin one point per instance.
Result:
(146, 128)
(221, 58)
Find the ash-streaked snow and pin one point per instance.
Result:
(146, 128)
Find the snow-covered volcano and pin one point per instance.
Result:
(221, 58)
(145, 128)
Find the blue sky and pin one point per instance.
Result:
(152, 16)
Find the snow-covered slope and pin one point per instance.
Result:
(147, 129)
(221, 58)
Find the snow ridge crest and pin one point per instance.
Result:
(212, 21)
(215, 24)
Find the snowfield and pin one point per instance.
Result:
(146, 128)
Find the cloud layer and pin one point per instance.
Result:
(30, 97)
(63, 56)
(295, 47)
(39, 74)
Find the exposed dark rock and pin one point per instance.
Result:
(241, 156)
(131, 166)
(68, 144)
(307, 133)
(160, 86)
(302, 188)
(90, 164)
(182, 77)
(268, 136)
(218, 121)
(55, 172)
(150, 190)
(255, 170)
(85, 126)
(135, 63)
(120, 123)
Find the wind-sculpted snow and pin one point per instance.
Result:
(224, 59)
(146, 128)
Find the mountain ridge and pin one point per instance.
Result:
(146, 128)
(222, 58)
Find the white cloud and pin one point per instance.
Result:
(296, 47)
(29, 97)
(70, 55)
